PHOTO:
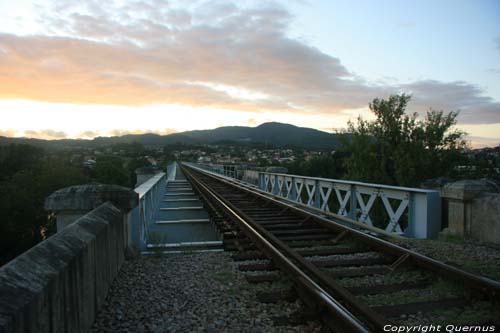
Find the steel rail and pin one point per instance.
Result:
(291, 202)
(375, 320)
(488, 287)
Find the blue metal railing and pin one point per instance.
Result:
(411, 212)
(150, 193)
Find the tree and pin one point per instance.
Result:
(111, 170)
(17, 157)
(400, 149)
(23, 219)
(325, 166)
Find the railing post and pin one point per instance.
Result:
(424, 215)
(353, 206)
(261, 182)
(293, 192)
(317, 194)
(276, 190)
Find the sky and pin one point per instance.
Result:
(97, 68)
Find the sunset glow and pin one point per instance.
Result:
(110, 68)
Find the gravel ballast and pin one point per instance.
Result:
(467, 254)
(201, 292)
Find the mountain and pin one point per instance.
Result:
(273, 133)
(277, 134)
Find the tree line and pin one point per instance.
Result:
(398, 148)
(29, 174)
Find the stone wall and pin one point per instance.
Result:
(251, 176)
(485, 218)
(58, 285)
(473, 210)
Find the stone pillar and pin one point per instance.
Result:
(145, 173)
(459, 196)
(72, 202)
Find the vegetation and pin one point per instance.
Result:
(325, 166)
(397, 148)
(28, 174)
(400, 149)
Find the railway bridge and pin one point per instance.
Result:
(339, 245)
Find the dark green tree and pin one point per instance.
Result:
(17, 157)
(111, 170)
(325, 166)
(401, 149)
(23, 220)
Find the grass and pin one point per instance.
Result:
(471, 256)
(188, 251)
(223, 276)
(487, 269)
(438, 290)
(393, 277)
(448, 238)
(477, 313)
(157, 238)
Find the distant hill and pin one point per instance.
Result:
(278, 134)
(273, 133)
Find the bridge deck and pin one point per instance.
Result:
(181, 222)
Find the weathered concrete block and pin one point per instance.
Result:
(251, 176)
(485, 218)
(70, 203)
(466, 190)
(58, 285)
(90, 196)
(471, 209)
(145, 173)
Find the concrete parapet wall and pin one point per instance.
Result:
(58, 285)
(251, 176)
(485, 218)
(473, 210)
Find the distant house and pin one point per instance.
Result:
(204, 159)
(89, 164)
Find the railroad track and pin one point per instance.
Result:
(353, 281)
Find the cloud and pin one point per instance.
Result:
(88, 134)
(167, 131)
(8, 132)
(497, 43)
(213, 54)
(251, 122)
(494, 71)
(47, 134)
(479, 141)
(120, 132)
(474, 107)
